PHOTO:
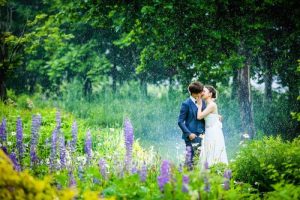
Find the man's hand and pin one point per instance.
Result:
(192, 136)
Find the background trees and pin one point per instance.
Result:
(105, 44)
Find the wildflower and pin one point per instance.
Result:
(53, 149)
(102, 166)
(227, 176)
(129, 138)
(19, 136)
(206, 166)
(134, 170)
(185, 183)
(80, 172)
(74, 137)
(206, 184)
(62, 152)
(36, 122)
(72, 181)
(188, 158)
(13, 158)
(3, 135)
(164, 177)
(88, 146)
(143, 173)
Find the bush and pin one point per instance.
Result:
(15, 185)
(268, 161)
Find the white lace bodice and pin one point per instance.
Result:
(212, 119)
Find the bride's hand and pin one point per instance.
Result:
(199, 102)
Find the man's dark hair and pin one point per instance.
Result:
(195, 87)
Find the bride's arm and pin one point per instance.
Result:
(209, 109)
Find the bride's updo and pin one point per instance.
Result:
(212, 90)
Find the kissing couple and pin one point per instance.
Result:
(201, 126)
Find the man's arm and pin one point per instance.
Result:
(181, 119)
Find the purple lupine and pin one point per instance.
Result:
(74, 137)
(185, 183)
(72, 181)
(80, 172)
(227, 176)
(206, 184)
(134, 169)
(19, 136)
(180, 168)
(53, 150)
(62, 148)
(143, 173)
(129, 138)
(206, 166)
(3, 136)
(188, 158)
(36, 123)
(165, 174)
(88, 146)
(103, 169)
(14, 160)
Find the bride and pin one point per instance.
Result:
(213, 148)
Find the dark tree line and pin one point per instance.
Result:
(152, 41)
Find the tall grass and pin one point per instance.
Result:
(154, 116)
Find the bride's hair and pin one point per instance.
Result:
(212, 90)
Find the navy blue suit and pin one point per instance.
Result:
(189, 123)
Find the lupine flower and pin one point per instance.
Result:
(88, 146)
(36, 122)
(206, 166)
(3, 136)
(4, 149)
(14, 160)
(72, 181)
(188, 158)
(129, 138)
(74, 137)
(53, 149)
(206, 184)
(185, 183)
(19, 136)
(227, 176)
(102, 166)
(134, 170)
(80, 172)
(62, 148)
(143, 173)
(165, 175)
(180, 168)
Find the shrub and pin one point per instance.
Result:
(15, 185)
(268, 161)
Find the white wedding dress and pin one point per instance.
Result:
(213, 148)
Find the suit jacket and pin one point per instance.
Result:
(187, 119)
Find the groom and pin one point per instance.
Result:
(191, 127)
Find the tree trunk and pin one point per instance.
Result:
(244, 97)
(3, 94)
(143, 84)
(87, 87)
(234, 90)
(268, 79)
